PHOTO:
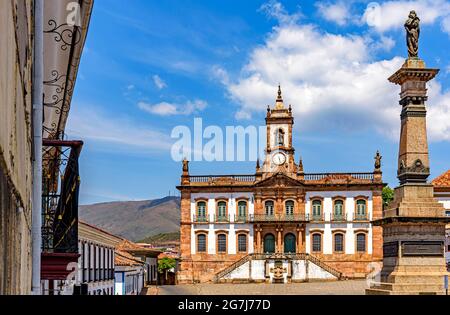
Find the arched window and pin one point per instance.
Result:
(280, 137)
(201, 243)
(221, 211)
(269, 208)
(361, 208)
(338, 242)
(289, 208)
(317, 242)
(221, 243)
(269, 244)
(201, 209)
(242, 209)
(317, 209)
(242, 243)
(361, 242)
(338, 208)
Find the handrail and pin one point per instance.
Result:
(246, 178)
(232, 267)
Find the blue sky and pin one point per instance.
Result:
(150, 66)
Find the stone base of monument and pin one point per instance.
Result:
(413, 244)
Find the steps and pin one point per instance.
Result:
(302, 256)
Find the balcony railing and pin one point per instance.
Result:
(60, 189)
(322, 176)
(200, 219)
(221, 218)
(317, 217)
(361, 217)
(223, 178)
(241, 219)
(279, 218)
(339, 218)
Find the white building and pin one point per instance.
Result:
(442, 193)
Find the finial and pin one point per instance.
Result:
(290, 108)
(279, 104)
(258, 167)
(300, 165)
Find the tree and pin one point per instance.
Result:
(165, 264)
(388, 196)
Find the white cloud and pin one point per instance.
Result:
(332, 81)
(169, 109)
(121, 132)
(159, 83)
(338, 13)
(393, 14)
(275, 9)
(445, 24)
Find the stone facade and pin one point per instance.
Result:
(16, 53)
(227, 221)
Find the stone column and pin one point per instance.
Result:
(258, 239)
(299, 239)
(414, 223)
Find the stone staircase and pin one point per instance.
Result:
(301, 256)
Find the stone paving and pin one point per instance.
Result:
(351, 287)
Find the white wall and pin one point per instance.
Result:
(231, 227)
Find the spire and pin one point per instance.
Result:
(279, 104)
(258, 166)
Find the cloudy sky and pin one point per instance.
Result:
(150, 66)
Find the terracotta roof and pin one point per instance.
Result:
(130, 247)
(122, 258)
(98, 229)
(442, 180)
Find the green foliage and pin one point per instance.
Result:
(165, 264)
(388, 196)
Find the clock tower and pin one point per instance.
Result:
(279, 151)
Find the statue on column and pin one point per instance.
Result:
(412, 27)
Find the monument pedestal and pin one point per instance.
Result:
(413, 250)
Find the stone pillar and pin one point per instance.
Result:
(258, 239)
(414, 223)
(299, 239)
(279, 248)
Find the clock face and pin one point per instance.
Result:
(279, 159)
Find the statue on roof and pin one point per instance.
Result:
(412, 27)
(378, 158)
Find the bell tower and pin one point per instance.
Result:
(279, 150)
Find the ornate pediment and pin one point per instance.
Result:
(279, 180)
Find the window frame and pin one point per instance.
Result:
(238, 215)
(197, 235)
(197, 210)
(335, 234)
(218, 234)
(219, 217)
(273, 208)
(286, 207)
(313, 201)
(319, 233)
(357, 233)
(238, 235)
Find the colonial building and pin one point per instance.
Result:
(442, 193)
(16, 149)
(279, 224)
